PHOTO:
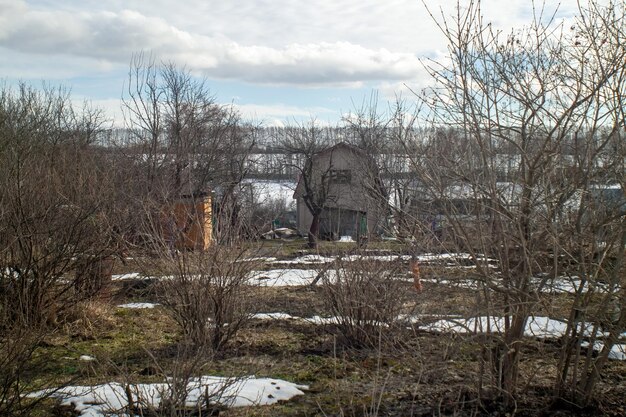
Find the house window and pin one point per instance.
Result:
(340, 176)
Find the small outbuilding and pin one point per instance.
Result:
(188, 223)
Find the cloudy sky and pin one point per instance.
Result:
(279, 61)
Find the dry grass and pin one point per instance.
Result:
(427, 374)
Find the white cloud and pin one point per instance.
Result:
(115, 36)
(322, 42)
(348, 44)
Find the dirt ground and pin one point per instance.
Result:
(420, 373)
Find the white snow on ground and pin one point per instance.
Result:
(121, 277)
(461, 283)
(569, 285)
(560, 285)
(306, 259)
(138, 305)
(107, 399)
(282, 277)
(318, 320)
(425, 258)
(86, 358)
(380, 258)
(287, 277)
(285, 316)
(437, 257)
(322, 320)
(259, 259)
(268, 191)
(275, 316)
(618, 351)
(539, 327)
(346, 239)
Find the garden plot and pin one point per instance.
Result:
(299, 337)
(112, 398)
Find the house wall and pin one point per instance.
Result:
(349, 197)
(304, 218)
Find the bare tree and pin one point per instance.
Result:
(392, 179)
(544, 104)
(300, 145)
(56, 223)
(184, 143)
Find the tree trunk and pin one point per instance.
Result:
(314, 231)
(511, 355)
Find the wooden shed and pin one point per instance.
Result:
(188, 223)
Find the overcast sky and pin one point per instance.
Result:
(277, 60)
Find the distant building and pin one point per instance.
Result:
(355, 201)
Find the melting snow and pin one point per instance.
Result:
(618, 351)
(307, 259)
(381, 258)
(569, 285)
(121, 277)
(283, 277)
(106, 399)
(540, 327)
(138, 305)
(259, 259)
(275, 316)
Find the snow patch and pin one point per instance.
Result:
(138, 305)
(306, 259)
(539, 327)
(275, 316)
(107, 399)
(122, 277)
(282, 277)
(618, 351)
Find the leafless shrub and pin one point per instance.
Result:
(174, 393)
(16, 359)
(55, 223)
(178, 388)
(207, 295)
(366, 298)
